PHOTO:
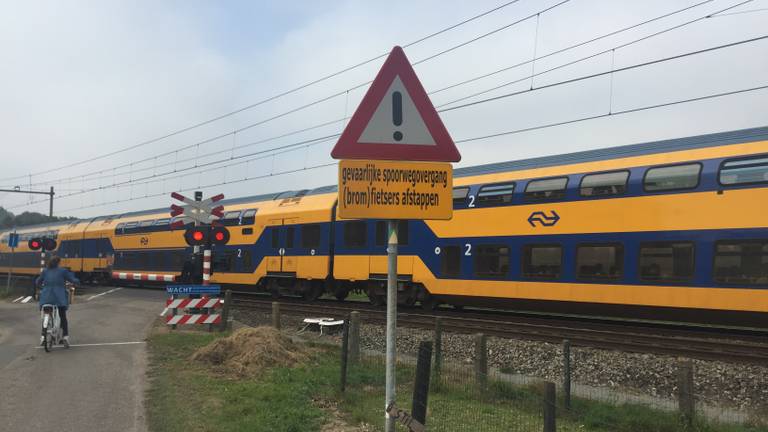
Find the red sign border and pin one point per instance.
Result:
(349, 147)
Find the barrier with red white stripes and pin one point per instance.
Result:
(199, 310)
(193, 319)
(193, 303)
(144, 276)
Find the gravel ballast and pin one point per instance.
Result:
(740, 386)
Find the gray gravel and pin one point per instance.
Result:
(744, 387)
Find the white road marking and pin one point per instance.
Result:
(17, 299)
(104, 344)
(99, 295)
(27, 299)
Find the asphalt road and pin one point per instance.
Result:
(96, 385)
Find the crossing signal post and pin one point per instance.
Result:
(206, 232)
(42, 244)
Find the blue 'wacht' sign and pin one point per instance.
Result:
(193, 289)
(13, 240)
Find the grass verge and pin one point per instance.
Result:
(185, 396)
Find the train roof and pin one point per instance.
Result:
(677, 144)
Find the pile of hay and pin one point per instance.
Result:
(251, 351)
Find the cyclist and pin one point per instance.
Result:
(54, 292)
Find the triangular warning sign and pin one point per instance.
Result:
(396, 120)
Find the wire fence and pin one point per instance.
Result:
(471, 395)
(477, 383)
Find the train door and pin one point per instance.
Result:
(283, 244)
(101, 251)
(378, 261)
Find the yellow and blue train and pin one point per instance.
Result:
(670, 229)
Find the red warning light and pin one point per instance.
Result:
(196, 236)
(35, 244)
(220, 235)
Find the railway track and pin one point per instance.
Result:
(706, 343)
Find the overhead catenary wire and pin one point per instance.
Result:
(588, 57)
(593, 74)
(609, 72)
(160, 177)
(237, 161)
(242, 129)
(614, 113)
(274, 97)
(466, 140)
(570, 47)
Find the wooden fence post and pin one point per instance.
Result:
(276, 315)
(481, 360)
(685, 396)
(567, 374)
(354, 337)
(550, 396)
(344, 354)
(225, 311)
(438, 348)
(421, 384)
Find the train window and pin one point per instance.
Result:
(231, 218)
(355, 234)
(161, 224)
(500, 193)
(290, 234)
(542, 261)
(275, 237)
(546, 189)
(120, 229)
(666, 261)
(402, 233)
(248, 217)
(177, 259)
(600, 261)
(310, 236)
(450, 264)
(742, 262)
(460, 195)
(491, 261)
(610, 183)
(130, 227)
(187, 222)
(146, 224)
(745, 171)
(676, 177)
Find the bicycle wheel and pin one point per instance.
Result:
(48, 342)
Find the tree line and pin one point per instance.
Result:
(9, 220)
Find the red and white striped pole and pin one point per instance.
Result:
(42, 267)
(207, 266)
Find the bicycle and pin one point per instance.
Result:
(54, 334)
(51, 323)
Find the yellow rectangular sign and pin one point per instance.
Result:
(395, 190)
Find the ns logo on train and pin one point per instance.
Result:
(543, 219)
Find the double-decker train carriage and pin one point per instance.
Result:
(672, 229)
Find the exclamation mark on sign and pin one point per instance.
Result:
(397, 114)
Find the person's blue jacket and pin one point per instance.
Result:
(54, 291)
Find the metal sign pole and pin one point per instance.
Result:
(391, 321)
(10, 272)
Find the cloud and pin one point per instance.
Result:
(81, 80)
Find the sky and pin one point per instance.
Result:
(84, 79)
